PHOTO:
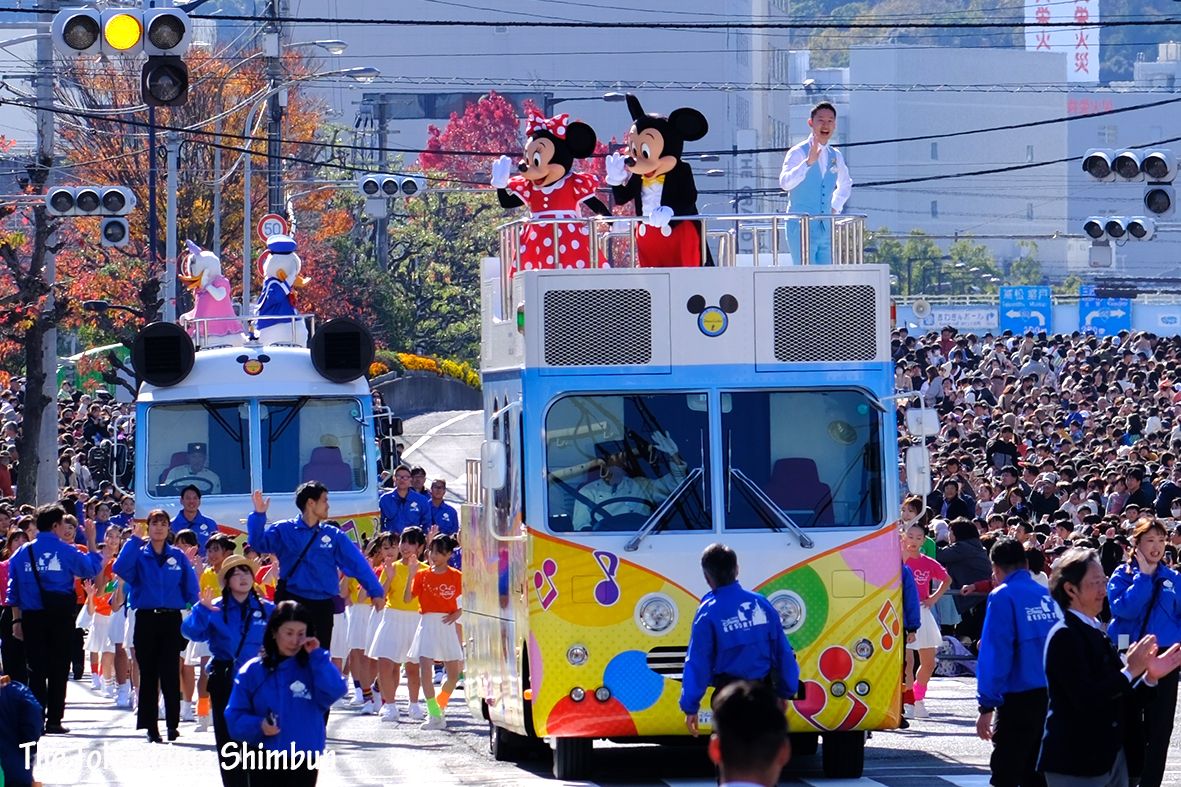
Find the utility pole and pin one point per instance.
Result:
(382, 224)
(273, 49)
(170, 280)
(217, 187)
(47, 435)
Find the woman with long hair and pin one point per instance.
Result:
(280, 700)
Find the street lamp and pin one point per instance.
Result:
(360, 74)
(333, 46)
(102, 307)
(550, 101)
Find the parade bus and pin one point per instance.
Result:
(633, 416)
(229, 418)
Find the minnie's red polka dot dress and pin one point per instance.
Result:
(539, 251)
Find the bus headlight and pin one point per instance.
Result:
(790, 607)
(577, 655)
(863, 649)
(656, 613)
(578, 694)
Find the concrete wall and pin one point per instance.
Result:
(420, 393)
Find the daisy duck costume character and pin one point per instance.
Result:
(280, 270)
(213, 301)
(551, 191)
(661, 185)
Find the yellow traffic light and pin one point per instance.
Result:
(122, 31)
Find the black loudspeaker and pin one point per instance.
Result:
(342, 350)
(163, 354)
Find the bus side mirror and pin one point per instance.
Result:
(918, 470)
(493, 465)
(395, 427)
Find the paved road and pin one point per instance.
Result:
(104, 749)
(441, 443)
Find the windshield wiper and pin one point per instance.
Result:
(653, 522)
(763, 501)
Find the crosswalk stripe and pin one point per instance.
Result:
(968, 780)
(864, 781)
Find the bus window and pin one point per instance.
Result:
(613, 460)
(815, 455)
(312, 440)
(206, 445)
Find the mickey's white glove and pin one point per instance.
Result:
(661, 216)
(502, 170)
(617, 173)
(664, 443)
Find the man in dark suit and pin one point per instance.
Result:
(1088, 683)
(949, 505)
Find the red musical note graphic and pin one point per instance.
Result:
(889, 620)
(544, 577)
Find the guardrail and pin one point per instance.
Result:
(210, 332)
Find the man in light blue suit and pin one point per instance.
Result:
(818, 182)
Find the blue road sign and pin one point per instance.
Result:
(1025, 309)
(1104, 316)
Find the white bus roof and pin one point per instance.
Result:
(225, 373)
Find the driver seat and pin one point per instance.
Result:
(327, 466)
(179, 459)
(795, 485)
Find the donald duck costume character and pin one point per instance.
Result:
(280, 271)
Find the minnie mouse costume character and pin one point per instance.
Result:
(661, 185)
(551, 191)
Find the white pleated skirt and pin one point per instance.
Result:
(339, 647)
(359, 615)
(435, 639)
(96, 637)
(928, 635)
(394, 635)
(116, 632)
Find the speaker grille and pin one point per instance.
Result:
(825, 323)
(598, 327)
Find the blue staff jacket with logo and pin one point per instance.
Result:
(445, 518)
(1019, 617)
(58, 564)
(224, 628)
(315, 577)
(163, 580)
(399, 513)
(737, 633)
(201, 525)
(297, 694)
(1130, 590)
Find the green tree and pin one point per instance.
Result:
(1026, 269)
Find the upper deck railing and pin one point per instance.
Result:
(209, 333)
(612, 239)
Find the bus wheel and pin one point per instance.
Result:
(804, 744)
(505, 746)
(572, 758)
(844, 755)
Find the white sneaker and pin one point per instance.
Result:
(435, 723)
(416, 712)
(358, 697)
(919, 710)
(908, 711)
(368, 708)
(123, 695)
(109, 690)
(389, 712)
(96, 681)
(186, 711)
(204, 723)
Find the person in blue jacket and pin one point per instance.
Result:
(310, 553)
(445, 519)
(161, 582)
(1010, 671)
(736, 635)
(1145, 599)
(21, 723)
(191, 518)
(233, 625)
(402, 506)
(126, 514)
(41, 594)
(280, 701)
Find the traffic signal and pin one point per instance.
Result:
(1119, 228)
(115, 231)
(1097, 163)
(77, 31)
(164, 81)
(1160, 199)
(89, 201)
(167, 32)
(379, 185)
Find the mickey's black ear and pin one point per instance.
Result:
(264, 358)
(689, 123)
(728, 304)
(633, 106)
(242, 358)
(696, 304)
(581, 139)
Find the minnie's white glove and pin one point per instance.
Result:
(661, 216)
(617, 173)
(502, 170)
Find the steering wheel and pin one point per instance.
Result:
(203, 484)
(599, 514)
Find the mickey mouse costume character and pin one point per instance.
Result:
(661, 185)
(551, 191)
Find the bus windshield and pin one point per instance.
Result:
(613, 462)
(813, 454)
(205, 444)
(312, 440)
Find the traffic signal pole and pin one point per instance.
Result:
(47, 437)
(273, 46)
(170, 281)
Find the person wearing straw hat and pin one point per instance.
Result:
(233, 625)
